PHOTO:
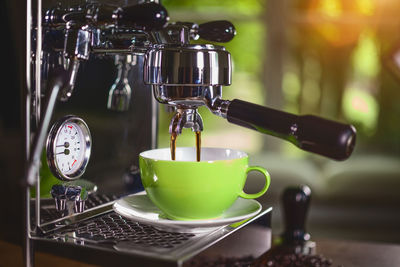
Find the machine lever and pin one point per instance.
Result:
(217, 31)
(147, 16)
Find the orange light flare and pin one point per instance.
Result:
(338, 22)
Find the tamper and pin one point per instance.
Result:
(296, 201)
(293, 247)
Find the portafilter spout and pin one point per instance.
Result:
(186, 118)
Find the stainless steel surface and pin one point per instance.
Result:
(187, 96)
(38, 52)
(188, 65)
(53, 220)
(205, 66)
(219, 107)
(64, 194)
(36, 107)
(27, 94)
(186, 118)
(77, 40)
(188, 76)
(77, 60)
(172, 34)
(73, 67)
(61, 203)
(33, 163)
(40, 137)
(187, 99)
(111, 232)
(79, 205)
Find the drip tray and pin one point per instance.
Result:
(110, 239)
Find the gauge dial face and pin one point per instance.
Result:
(68, 148)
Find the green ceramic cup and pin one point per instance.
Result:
(185, 189)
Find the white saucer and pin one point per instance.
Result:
(139, 208)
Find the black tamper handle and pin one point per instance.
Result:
(311, 133)
(221, 31)
(296, 201)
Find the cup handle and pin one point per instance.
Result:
(265, 188)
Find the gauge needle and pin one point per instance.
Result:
(66, 152)
(66, 144)
(73, 163)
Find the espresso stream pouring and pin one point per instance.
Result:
(187, 76)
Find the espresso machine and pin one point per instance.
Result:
(96, 72)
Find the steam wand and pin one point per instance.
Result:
(59, 81)
(119, 96)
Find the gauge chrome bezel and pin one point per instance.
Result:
(51, 147)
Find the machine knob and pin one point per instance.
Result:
(296, 201)
(58, 194)
(217, 31)
(80, 200)
(62, 193)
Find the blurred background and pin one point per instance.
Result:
(337, 59)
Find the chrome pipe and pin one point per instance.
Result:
(28, 259)
(38, 93)
(40, 137)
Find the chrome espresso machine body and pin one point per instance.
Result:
(102, 69)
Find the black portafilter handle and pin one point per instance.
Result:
(221, 31)
(311, 133)
(296, 201)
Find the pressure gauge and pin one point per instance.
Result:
(68, 148)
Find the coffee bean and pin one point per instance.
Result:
(287, 258)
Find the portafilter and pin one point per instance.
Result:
(187, 76)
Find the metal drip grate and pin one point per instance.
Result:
(49, 213)
(114, 228)
(122, 239)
